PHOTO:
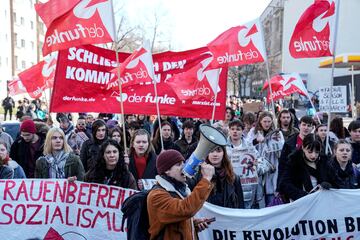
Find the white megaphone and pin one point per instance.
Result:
(210, 138)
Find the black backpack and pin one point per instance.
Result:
(135, 211)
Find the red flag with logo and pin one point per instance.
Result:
(314, 33)
(83, 75)
(196, 83)
(285, 85)
(39, 77)
(238, 46)
(88, 22)
(138, 68)
(53, 9)
(16, 87)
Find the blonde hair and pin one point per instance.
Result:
(48, 146)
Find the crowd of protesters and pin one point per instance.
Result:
(287, 157)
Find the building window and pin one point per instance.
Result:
(23, 64)
(32, 45)
(15, 39)
(31, 3)
(16, 62)
(32, 24)
(22, 43)
(22, 21)
(14, 16)
(5, 13)
(0, 62)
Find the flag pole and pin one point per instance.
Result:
(119, 79)
(270, 89)
(332, 76)
(158, 113)
(215, 99)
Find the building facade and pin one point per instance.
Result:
(21, 39)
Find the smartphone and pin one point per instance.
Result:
(210, 220)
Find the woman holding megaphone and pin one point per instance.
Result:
(227, 191)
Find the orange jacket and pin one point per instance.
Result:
(175, 213)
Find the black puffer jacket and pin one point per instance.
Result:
(89, 153)
(223, 193)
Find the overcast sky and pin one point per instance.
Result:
(193, 23)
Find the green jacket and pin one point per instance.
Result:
(73, 167)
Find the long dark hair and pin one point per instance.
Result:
(121, 172)
(226, 164)
(337, 127)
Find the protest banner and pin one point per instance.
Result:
(60, 210)
(338, 99)
(82, 84)
(308, 218)
(244, 165)
(55, 209)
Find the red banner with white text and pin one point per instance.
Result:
(83, 75)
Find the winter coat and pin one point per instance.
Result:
(125, 182)
(168, 144)
(18, 170)
(253, 192)
(296, 180)
(184, 146)
(223, 194)
(6, 172)
(20, 151)
(89, 153)
(6, 138)
(175, 214)
(150, 169)
(348, 178)
(73, 167)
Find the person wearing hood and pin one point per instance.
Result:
(6, 138)
(91, 147)
(347, 175)
(188, 141)
(17, 170)
(66, 126)
(171, 205)
(58, 161)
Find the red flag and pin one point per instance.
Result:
(53, 9)
(238, 46)
(16, 87)
(314, 33)
(83, 74)
(88, 22)
(39, 77)
(138, 68)
(285, 85)
(196, 83)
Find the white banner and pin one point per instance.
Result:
(324, 215)
(60, 210)
(338, 99)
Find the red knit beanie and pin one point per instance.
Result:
(167, 159)
(28, 126)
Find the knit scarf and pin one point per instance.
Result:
(56, 162)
